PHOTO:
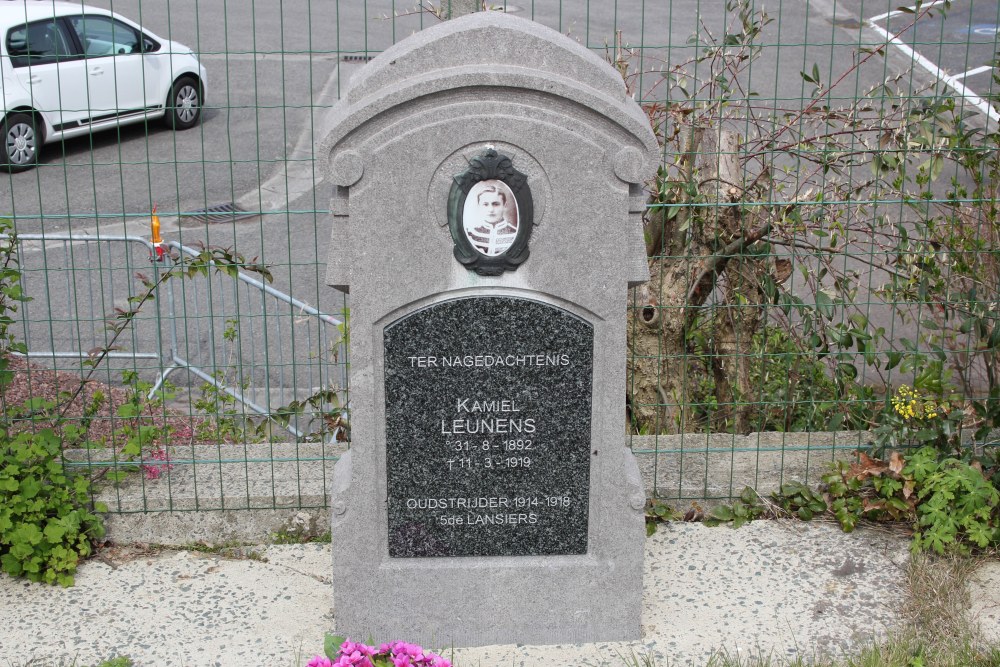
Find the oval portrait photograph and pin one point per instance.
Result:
(490, 217)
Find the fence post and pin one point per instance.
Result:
(456, 8)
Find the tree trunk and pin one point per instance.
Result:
(657, 365)
(736, 323)
(685, 264)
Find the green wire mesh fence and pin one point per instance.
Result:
(822, 231)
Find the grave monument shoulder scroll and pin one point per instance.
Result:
(486, 220)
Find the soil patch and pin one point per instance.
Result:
(95, 408)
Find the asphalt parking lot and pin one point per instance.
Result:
(275, 69)
(957, 47)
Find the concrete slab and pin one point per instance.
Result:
(710, 467)
(216, 477)
(782, 588)
(984, 592)
(270, 484)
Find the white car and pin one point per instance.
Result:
(69, 70)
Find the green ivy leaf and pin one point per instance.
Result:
(30, 487)
(27, 533)
(11, 564)
(331, 645)
(54, 531)
(723, 513)
(824, 304)
(128, 411)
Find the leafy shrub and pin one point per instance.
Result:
(951, 503)
(46, 525)
(945, 490)
(793, 390)
(46, 522)
(47, 519)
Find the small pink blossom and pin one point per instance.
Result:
(349, 647)
(411, 650)
(154, 471)
(320, 661)
(393, 654)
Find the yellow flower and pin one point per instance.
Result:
(909, 405)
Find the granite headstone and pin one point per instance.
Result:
(486, 220)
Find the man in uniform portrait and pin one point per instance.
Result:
(491, 225)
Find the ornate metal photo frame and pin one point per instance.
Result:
(497, 240)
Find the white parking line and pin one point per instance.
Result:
(951, 81)
(972, 72)
(299, 173)
(908, 10)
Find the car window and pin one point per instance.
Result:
(38, 43)
(104, 36)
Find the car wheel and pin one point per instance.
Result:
(183, 104)
(21, 142)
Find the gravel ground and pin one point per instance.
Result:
(96, 405)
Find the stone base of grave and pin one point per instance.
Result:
(479, 601)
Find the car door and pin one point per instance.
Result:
(114, 61)
(46, 63)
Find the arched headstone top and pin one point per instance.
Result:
(485, 41)
(490, 49)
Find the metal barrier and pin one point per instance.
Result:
(245, 339)
(74, 283)
(261, 329)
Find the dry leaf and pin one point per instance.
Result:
(870, 505)
(869, 467)
(782, 270)
(896, 463)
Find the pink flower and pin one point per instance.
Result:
(319, 661)
(411, 650)
(154, 471)
(355, 654)
(393, 654)
(347, 647)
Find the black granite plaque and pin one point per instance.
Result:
(487, 404)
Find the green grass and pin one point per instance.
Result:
(938, 632)
(900, 651)
(120, 661)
